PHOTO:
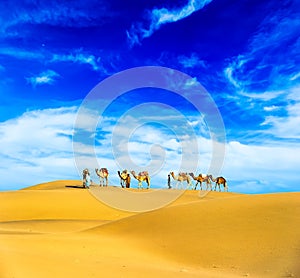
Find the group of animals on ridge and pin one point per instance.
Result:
(125, 179)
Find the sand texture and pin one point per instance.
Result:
(57, 229)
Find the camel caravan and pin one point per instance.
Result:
(180, 179)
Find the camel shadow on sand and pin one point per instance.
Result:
(75, 186)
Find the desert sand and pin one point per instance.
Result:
(57, 229)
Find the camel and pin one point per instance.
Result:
(124, 178)
(219, 181)
(180, 178)
(103, 175)
(201, 178)
(142, 176)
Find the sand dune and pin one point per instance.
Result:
(59, 230)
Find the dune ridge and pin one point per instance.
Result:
(58, 230)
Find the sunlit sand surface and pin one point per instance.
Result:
(57, 229)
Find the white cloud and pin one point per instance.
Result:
(271, 108)
(252, 168)
(37, 147)
(286, 126)
(163, 16)
(46, 77)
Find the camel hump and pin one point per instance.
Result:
(182, 174)
(144, 173)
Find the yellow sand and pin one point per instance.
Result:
(60, 230)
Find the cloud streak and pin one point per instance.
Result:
(46, 77)
(271, 60)
(54, 13)
(261, 79)
(162, 16)
(80, 58)
(76, 56)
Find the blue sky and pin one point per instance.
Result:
(246, 54)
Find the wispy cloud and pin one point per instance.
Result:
(46, 77)
(80, 58)
(287, 126)
(19, 53)
(159, 17)
(76, 56)
(54, 13)
(191, 61)
(271, 60)
(260, 80)
(295, 76)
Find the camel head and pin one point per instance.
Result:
(172, 174)
(144, 173)
(124, 174)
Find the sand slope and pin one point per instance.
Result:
(59, 230)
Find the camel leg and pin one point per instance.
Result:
(196, 185)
